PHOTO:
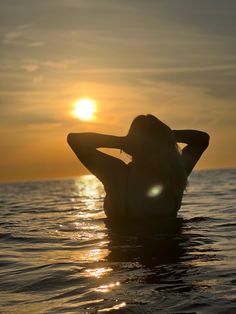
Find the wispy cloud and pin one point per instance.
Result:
(30, 67)
(20, 38)
(190, 69)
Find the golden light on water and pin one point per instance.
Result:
(85, 109)
(98, 272)
(115, 307)
(107, 288)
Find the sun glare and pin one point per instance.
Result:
(84, 109)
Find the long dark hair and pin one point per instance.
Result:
(154, 137)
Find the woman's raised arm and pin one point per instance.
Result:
(103, 166)
(197, 142)
(191, 136)
(95, 140)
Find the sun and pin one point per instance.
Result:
(84, 109)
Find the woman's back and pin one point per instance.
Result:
(143, 190)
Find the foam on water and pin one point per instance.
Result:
(59, 255)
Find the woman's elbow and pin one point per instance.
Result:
(76, 142)
(206, 139)
(71, 139)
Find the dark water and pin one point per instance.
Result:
(59, 255)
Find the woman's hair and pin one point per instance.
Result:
(151, 127)
(153, 137)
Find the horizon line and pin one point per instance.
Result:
(90, 174)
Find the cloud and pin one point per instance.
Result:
(190, 69)
(217, 80)
(24, 26)
(20, 38)
(26, 119)
(30, 67)
(63, 64)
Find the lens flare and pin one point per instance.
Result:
(155, 190)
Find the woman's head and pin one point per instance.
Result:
(150, 134)
(149, 140)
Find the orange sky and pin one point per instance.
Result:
(133, 57)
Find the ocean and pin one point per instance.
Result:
(58, 253)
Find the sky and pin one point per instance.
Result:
(175, 59)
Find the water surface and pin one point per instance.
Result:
(59, 255)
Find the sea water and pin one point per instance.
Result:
(58, 253)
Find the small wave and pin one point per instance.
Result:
(57, 280)
(202, 219)
(72, 292)
(197, 219)
(12, 238)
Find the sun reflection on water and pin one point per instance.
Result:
(98, 272)
(89, 187)
(107, 288)
(115, 307)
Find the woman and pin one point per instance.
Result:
(152, 184)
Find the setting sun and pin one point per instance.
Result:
(84, 109)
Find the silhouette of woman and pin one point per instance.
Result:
(152, 184)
